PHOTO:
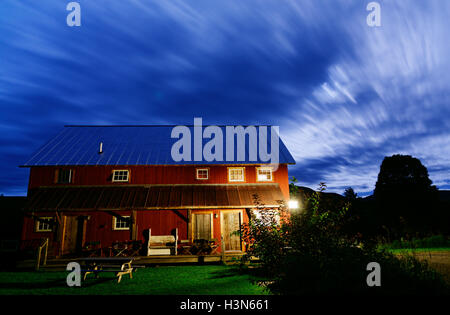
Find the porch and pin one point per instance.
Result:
(60, 264)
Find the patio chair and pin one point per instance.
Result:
(134, 248)
(118, 249)
(92, 249)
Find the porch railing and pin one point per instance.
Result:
(41, 248)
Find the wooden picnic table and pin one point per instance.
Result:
(120, 265)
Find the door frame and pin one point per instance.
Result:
(241, 219)
(79, 219)
(193, 227)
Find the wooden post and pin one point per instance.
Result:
(133, 225)
(45, 253)
(38, 258)
(222, 248)
(176, 241)
(148, 241)
(189, 225)
(59, 234)
(39, 254)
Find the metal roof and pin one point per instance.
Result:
(128, 145)
(154, 197)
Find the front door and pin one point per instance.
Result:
(73, 234)
(231, 223)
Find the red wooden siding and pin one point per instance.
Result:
(101, 175)
(99, 226)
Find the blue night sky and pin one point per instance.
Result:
(344, 94)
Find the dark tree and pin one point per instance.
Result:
(402, 173)
(350, 194)
(293, 189)
(405, 195)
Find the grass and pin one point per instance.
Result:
(170, 280)
(438, 258)
(414, 250)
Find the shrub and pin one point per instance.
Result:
(342, 271)
(309, 253)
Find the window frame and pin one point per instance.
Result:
(194, 227)
(264, 168)
(202, 169)
(121, 180)
(114, 226)
(58, 174)
(236, 168)
(39, 220)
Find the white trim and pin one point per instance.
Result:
(59, 174)
(202, 169)
(266, 169)
(236, 180)
(121, 180)
(49, 224)
(241, 221)
(194, 227)
(115, 228)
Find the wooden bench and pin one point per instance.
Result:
(120, 266)
(162, 244)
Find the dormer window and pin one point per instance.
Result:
(264, 174)
(235, 174)
(202, 173)
(121, 176)
(64, 176)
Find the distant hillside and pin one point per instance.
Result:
(444, 195)
(329, 200)
(308, 191)
(333, 200)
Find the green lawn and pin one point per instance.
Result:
(416, 250)
(208, 279)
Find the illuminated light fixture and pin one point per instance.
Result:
(293, 204)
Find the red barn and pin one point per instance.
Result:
(112, 183)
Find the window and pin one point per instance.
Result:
(202, 226)
(202, 173)
(121, 223)
(44, 224)
(120, 175)
(64, 176)
(264, 174)
(236, 174)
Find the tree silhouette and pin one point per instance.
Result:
(405, 195)
(350, 194)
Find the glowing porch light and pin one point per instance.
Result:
(293, 204)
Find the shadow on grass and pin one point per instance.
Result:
(225, 273)
(60, 283)
(254, 275)
(33, 285)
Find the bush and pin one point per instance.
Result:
(427, 242)
(342, 271)
(309, 253)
